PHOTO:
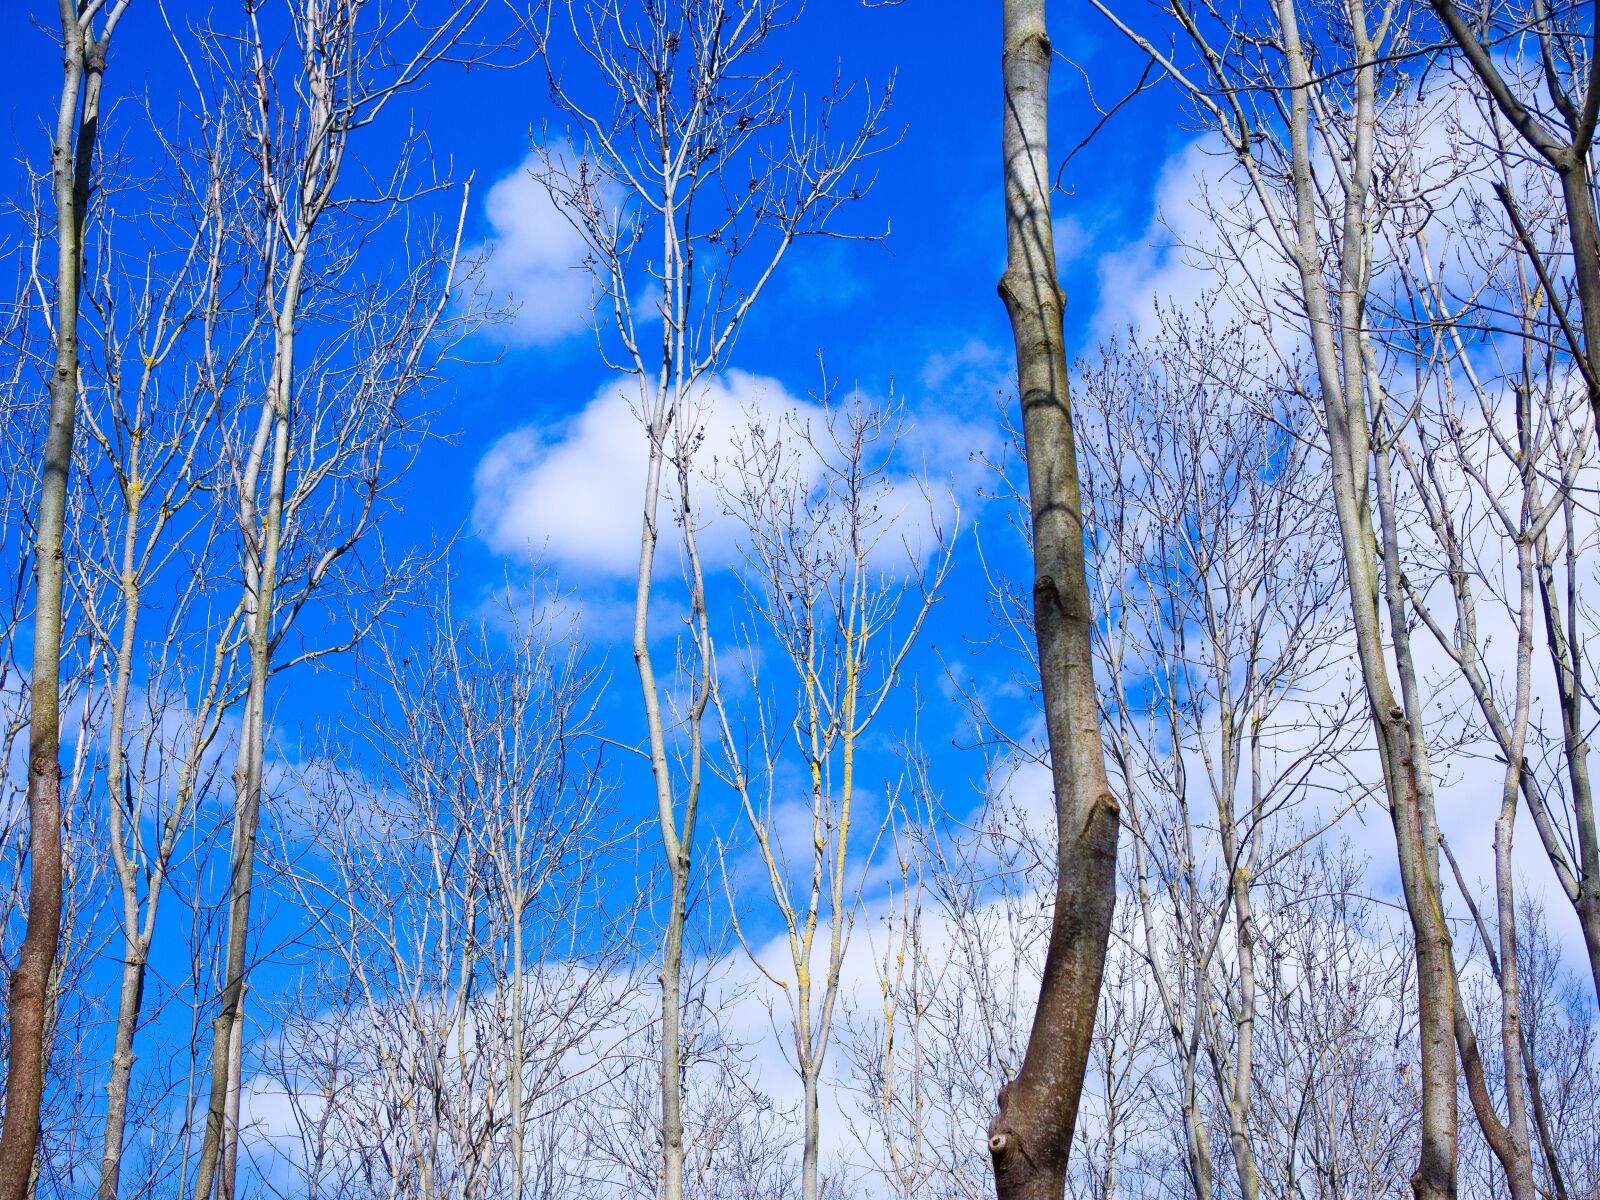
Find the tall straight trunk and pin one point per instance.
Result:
(676, 842)
(514, 1101)
(811, 1157)
(1348, 382)
(667, 416)
(1409, 786)
(1030, 1135)
(671, 975)
(1519, 1168)
(1510, 1142)
(1244, 933)
(229, 1171)
(1201, 1172)
(261, 569)
(71, 168)
(672, 1036)
(135, 946)
(1234, 1074)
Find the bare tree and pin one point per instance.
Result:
(1562, 1059)
(1503, 440)
(1121, 1086)
(1337, 1104)
(690, 152)
(1460, 439)
(310, 475)
(1030, 1136)
(959, 972)
(611, 1134)
(1225, 711)
(1305, 140)
(461, 884)
(86, 31)
(827, 582)
(1558, 127)
(151, 419)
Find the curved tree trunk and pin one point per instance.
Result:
(1031, 1133)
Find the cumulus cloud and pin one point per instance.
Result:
(573, 496)
(532, 262)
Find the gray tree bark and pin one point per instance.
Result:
(1030, 1135)
(1351, 394)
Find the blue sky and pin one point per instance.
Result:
(917, 312)
(878, 312)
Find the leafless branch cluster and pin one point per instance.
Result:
(1201, 868)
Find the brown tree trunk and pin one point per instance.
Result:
(1031, 1133)
(71, 162)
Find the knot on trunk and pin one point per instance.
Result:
(46, 765)
(1047, 591)
(1002, 1138)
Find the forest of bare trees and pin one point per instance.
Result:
(471, 732)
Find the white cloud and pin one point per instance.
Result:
(1208, 249)
(1183, 261)
(533, 262)
(574, 497)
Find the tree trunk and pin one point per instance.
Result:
(1402, 754)
(71, 163)
(1348, 384)
(674, 846)
(1194, 1133)
(261, 577)
(229, 1171)
(672, 1036)
(130, 1001)
(135, 946)
(1583, 227)
(1030, 1136)
(810, 1159)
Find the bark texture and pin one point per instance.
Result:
(1031, 1133)
(71, 166)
